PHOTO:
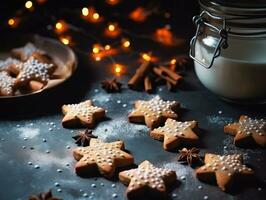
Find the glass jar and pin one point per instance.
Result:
(229, 48)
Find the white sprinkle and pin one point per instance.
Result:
(182, 177)
(200, 187)
(174, 195)
(93, 185)
(68, 147)
(56, 184)
(85, 194)
(59, 170)
(47, 151)
(23, 147)
(114, 195)
(113, 185)
(36, 166)
(259, 188)
(205, 197)
(96, 90)
(124, 105)
(102, 184)
(50, 129)
(118, 101)
(29, 163)
(59, 190)
(220, 112)
(44, 140)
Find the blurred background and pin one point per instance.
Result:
(88, 19)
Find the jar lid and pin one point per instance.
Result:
(236, 8)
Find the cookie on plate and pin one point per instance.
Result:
(25, 52)
(248, 131)
(153, 112)
(224, 170)
(7, 84)
(174, 133)
(33, 70)
(8, 64)
(147, 179)
(101, 157)
(84, 114)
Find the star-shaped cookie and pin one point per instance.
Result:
(33, 70)
(147, 179)
(7, 84)
(8, 64)
(153, 112)
(25, 52)
(224, 170)
(102, 157)
(174, 133)
(248, 131)
(83, 113)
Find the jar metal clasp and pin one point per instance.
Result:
(200, 21)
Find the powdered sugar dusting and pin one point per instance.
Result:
(102, 98)
(181, 170)
(219, 120)
(230, 148)
(113, 128)
(44, 159)
(28, 132)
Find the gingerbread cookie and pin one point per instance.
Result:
(7, 84)
(25, 52)
(174, 133)
(147, 179)
(225, 170)
(33, 70)
(248, 131)
(153, 112)
(102, 157)
(83, 113)
(8, 64)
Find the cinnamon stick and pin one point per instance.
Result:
(168, 72)
(139, 75)
(147, 84)
(164, 76)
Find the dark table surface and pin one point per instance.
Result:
(24, 129)
(31, 134)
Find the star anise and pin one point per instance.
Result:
(189, 155)
(43, 196)
(83, 137)
(111, 85)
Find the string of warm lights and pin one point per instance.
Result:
(112, 30)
